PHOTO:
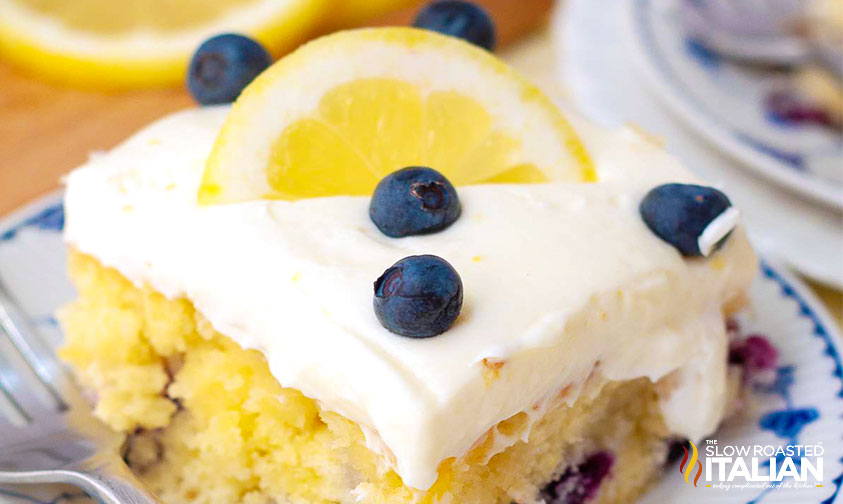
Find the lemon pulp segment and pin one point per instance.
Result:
(369, 128)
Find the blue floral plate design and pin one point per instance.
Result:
(801, 405)
(728, 104)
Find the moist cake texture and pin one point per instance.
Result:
(226, 431)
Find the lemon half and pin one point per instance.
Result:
(136, 43)
(341, 112)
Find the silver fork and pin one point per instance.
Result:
(49, 434)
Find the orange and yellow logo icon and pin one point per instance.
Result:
(689, 469)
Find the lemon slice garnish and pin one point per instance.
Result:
(343, 111)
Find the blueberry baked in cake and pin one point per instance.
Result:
(394, 272)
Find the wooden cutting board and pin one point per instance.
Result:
(46, 130)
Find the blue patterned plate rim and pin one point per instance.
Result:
(751, 153)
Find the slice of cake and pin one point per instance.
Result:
(548, 308)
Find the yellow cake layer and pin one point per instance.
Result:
(210, 425)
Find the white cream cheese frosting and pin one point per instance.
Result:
(560, 279)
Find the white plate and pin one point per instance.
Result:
(596, 63)
(725, 103)
(32, 263)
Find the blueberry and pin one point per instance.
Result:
(414, 200)
(755, 353)
(464, 20)
(224, 65)
(580, 483)
(676, 448)
(419, 296)
(680, 214)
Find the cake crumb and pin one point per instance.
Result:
(491, 370)
(717, 263)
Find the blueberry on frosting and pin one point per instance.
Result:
(694, 219)
(418, 297)
(412, 201)
(464, 20)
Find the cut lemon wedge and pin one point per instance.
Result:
(135, 43)
(340, 113)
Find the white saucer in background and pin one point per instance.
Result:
(596, 62)
(725, 103)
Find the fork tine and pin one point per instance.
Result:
(9, 407)
(38, 356)
(21, 386)
(51, 442)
